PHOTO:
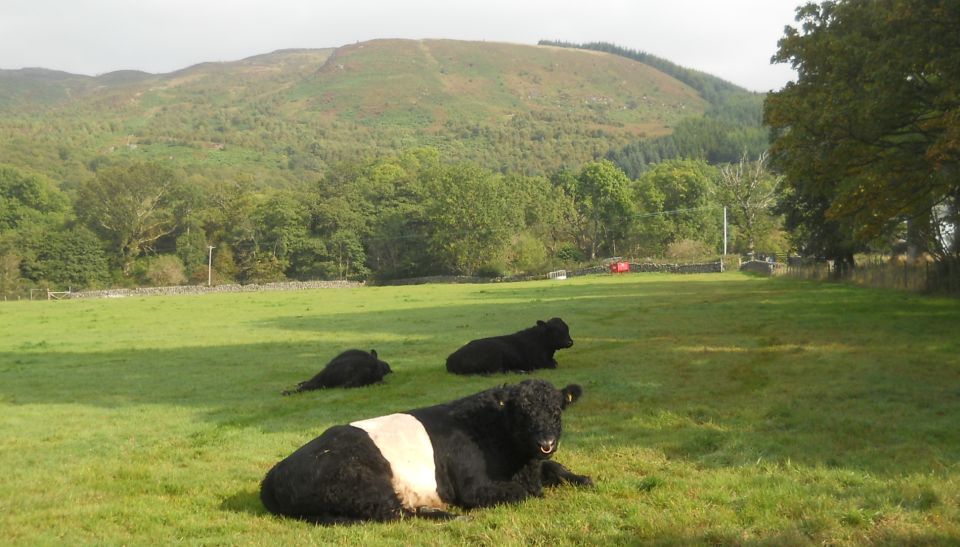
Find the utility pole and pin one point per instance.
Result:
(724, 229)
(724, 239)
(210, 249)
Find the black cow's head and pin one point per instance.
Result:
(557, 332)
(533, 409)
(382, 367)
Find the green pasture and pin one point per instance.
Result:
(718, 409)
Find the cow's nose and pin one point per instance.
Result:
(547, 446)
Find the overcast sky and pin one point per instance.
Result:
(733, 39)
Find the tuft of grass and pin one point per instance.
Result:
(721, 409)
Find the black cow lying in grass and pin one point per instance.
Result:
(486, 449)
(526, 350)
(352, 368)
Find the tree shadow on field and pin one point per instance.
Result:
(799, 536)
(415, 341)
(240, 385)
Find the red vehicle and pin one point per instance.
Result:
(619, 267)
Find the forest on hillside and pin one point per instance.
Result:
(730, 127)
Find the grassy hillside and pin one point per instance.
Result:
(284, 116)
(717, 409)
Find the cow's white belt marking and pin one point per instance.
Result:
(404, 443)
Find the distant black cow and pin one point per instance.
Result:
(486, 449)
(526, 350)
(352, 368)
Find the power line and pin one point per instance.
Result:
(692, 209)
(677, 211)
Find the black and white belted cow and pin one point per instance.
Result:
(490, 448)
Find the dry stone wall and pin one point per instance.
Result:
(200, 289)
(710, 267)
(707, 267)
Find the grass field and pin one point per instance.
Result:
(719, 409)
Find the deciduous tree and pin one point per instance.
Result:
(471, 215)
(750, 190)
(130, 206)
(868, 136)
(675, 200)
(601, 192)
(27, 198)
(72, 258)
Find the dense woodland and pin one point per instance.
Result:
(393, 159)
(404, 215)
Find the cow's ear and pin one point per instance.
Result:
(541, 323)
(571, 393)
(373, 352)
(483, 408)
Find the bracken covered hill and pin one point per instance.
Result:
(283, 117)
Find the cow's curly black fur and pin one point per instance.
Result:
(352, 368)
(490, 448)
(526, 350)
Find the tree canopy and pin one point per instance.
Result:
(751, 191)
(678, 202)
(26, 198)
(130, 206)
(417, 213)
(601, 191)
(868, 136)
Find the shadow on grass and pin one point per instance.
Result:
(479, 316)
(798, 537)
(245, 501)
